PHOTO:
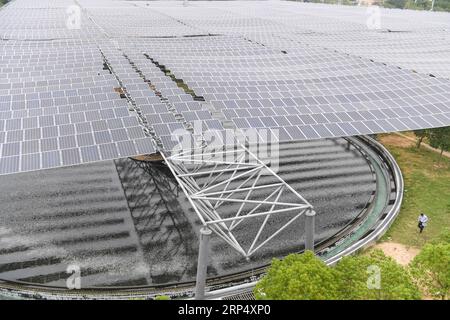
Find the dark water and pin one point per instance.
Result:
(125, 223)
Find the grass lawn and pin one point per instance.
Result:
(427, 189)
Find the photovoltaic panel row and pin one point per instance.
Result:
(298, 71)
(397, 37)
(342, 90)
(153, 107)
(60, 106)
(174, 112)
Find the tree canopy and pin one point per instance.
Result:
(298, 277)
(431, 269)
(421, 134)
(306, 277)
(375, 277)
(440, 138)
(439, 5)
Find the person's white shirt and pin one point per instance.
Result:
(423, 219)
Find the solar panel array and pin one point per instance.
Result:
(136, 75)
(58, 107)
(309, 94)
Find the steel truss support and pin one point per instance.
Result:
(202, 264)
(310, 227)
(219, 178)
(228, 186)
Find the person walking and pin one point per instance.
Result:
(423, 219)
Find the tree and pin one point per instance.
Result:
(418, 4)
(421, 134)
(306, 277)
(431, 269)
(394, 4)
(298, 277)
(375, 277)
(440, 139)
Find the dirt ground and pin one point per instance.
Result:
(401, 253)
(407, 139)
(396, 140)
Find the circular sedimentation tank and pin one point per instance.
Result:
(128, 226)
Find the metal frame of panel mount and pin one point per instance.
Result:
(213, 177)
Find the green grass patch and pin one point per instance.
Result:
(427, 189)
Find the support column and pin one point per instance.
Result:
(348, 145)
(310, 229)
(202, 264)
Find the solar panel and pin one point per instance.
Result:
(135, 74)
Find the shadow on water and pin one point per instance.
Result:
(158, 210)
